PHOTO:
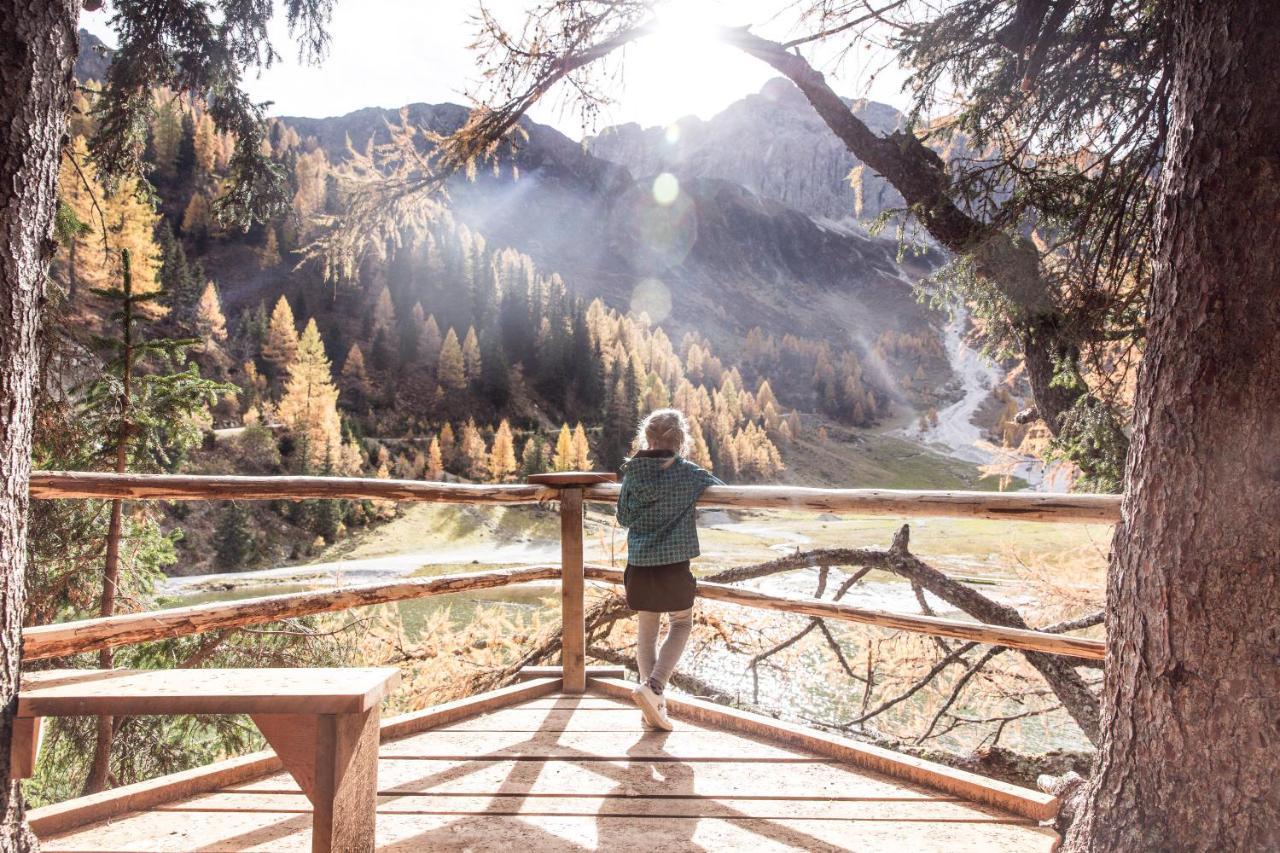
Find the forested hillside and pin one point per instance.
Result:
(448, 352)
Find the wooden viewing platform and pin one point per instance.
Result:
(534, 768)
(559, 760)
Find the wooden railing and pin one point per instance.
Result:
(570, 491)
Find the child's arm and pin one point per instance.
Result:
(706, 478)
(625, 512)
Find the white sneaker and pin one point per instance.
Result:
(644, 721)
(652, 706)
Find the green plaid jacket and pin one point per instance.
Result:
(656, 506)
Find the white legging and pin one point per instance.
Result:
(656, 666)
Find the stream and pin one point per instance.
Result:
(957, 435)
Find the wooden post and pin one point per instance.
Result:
(573, 642)
(569, 486)
(346, 782)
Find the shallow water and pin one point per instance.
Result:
(808, 686)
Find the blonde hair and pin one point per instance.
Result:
(665, 429)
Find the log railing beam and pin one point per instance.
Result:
(1006, 506)
(1013, 638)
(66, 638)
(899, 503)
(196, 487)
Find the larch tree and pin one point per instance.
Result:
(471, 449)
(82, 199)
(131, 225)
(355, 379)
(448, 445)
(309, 406)
(269, 253)
(471, 360)
(196, 218)
(562, 459)
(450, 370)
(435, 460)
(502, 456)
(699, 454)
(580, 459)
(384, 312)
(429, 341)
(211, 325)
(281, 346)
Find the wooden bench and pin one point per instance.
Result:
(322, 723)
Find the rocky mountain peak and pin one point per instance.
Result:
(771, 142)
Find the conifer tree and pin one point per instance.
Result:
(205, 143)
(450, 372)
(180, 281)
(132, 226)
(502, 457)
(81, 201)
(255, 387)
(619, 424)
(448, 446)
(310, 172)
(234, 546)
(383, 509)
(150, 419)
(429, 341)
(435, 460)
(471, 361)
(699, 454)
(269, 254)
(384, 312)
(196, 221)
(166, 136)
(210, 324)
(281, 345)
(533, 459)
(309, 404)
(471, 449)
(355, 380)
(581, 451)
(563, 458)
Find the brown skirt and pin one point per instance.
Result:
(661, 589)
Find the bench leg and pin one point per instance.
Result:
(346, 782)
(24, 748)
(334, 759)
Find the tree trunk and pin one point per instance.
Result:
(1191, 705)
(37, 49)
(100, 767)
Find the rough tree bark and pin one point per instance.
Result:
(1191, 703)
(37, 48)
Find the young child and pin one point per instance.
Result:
(656, 505)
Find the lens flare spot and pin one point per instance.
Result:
(652, 298)
(666, 189)
(672, 134)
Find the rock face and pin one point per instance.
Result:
(714, 254)
(772, 143)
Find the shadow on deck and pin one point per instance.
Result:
(535, 769)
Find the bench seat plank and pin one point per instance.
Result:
(122, 692)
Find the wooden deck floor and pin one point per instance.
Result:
(566, 772)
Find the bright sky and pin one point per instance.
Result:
(387, 53)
